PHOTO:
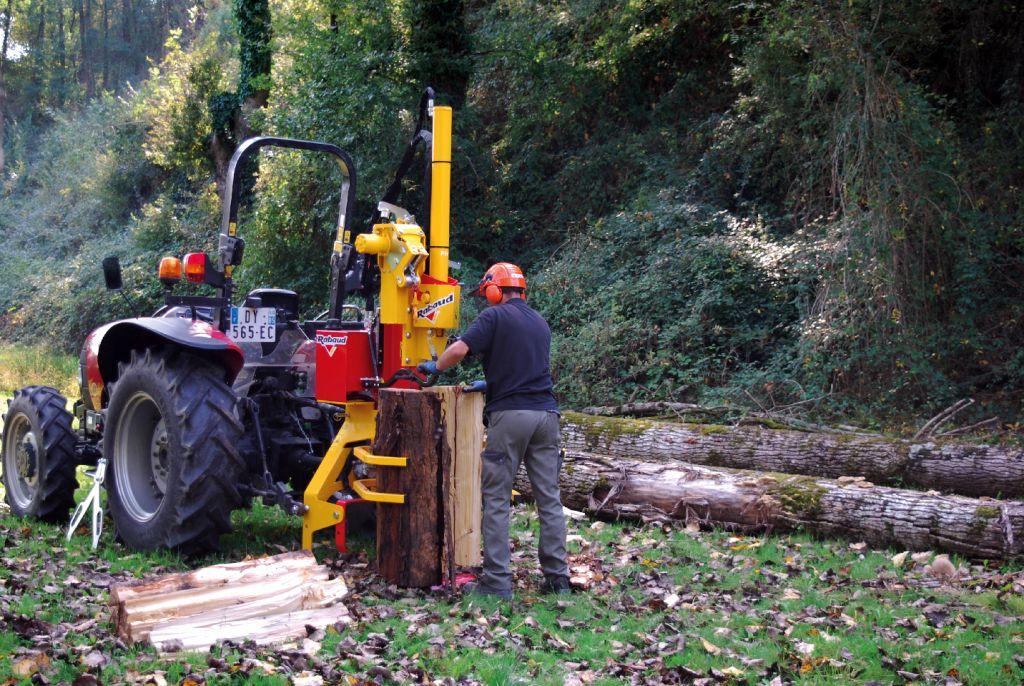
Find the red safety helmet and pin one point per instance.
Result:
(500, 275)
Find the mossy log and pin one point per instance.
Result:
(949, 466)
(761, 501)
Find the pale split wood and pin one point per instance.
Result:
(266, 600)
(263, 630)
(122, 595)
(139, 618)
(464, 433)
(466, 506)
(223, 623)
(260, 567)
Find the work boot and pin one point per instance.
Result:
(479, 588)
(556, 584)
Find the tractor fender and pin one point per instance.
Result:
(109, 345)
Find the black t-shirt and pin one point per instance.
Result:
(515, 343)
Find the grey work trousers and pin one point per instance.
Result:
(514, 436)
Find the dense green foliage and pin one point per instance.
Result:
(59, 54)
(775, 201)
(254, 51)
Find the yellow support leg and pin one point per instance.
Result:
(360, 424)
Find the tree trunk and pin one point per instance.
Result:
(83, 48)
(423, 541)
(106, 46)
(39, 62)
(760, 501)
(3, 83)
(409, 536)
(976, 470)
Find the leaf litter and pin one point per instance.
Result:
(654, 605)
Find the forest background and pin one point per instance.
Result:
(791, 204)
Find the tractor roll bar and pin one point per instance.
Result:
(229, 215)
(342, 255)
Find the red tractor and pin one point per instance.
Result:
(215, 400)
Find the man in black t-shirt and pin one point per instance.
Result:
(521, 415)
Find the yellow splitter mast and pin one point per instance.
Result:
(419, 304)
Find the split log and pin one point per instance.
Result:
(179, 586)
(462, 421)
(760, 501)
(410, 535)
(267, 600)
(953, 467)
(437, 529)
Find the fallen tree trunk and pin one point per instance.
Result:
(953, 467)
(760, 501)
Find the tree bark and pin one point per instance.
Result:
(106, 46)
(409, 536)
(761, 501)
(437, 530)
(975, 470)
(3, 83)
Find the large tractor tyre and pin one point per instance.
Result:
(39, 455)
(171, 442)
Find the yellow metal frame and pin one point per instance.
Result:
(426, 312)
(367, 488)
(364, 455)
(359, 426)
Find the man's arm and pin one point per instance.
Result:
(476, 339)
(452, 355)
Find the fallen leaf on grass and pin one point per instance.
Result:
(805, 649)
(94, 659)
(27, 666)
(942, 568)
(309, 647)
(710, 647)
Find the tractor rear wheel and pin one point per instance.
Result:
(171, 446)
(39, 455)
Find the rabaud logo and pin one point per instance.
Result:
(326, 339)
(330, 342)
(430, 311)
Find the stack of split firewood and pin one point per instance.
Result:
(267, 600)
(928, 493)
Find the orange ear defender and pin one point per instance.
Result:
(501, 275)
(492, 293)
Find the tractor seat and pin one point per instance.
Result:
(284, 301)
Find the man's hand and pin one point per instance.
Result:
(478, 386)
(429, 367)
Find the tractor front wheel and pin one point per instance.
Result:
(39, 455)
(171, 446)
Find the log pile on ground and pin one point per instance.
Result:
(942, 465)
(267, 600)
(849, 507)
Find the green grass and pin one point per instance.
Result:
(27, 366)
(752, 600)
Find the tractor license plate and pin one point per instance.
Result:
(253, 324)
